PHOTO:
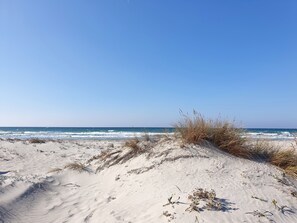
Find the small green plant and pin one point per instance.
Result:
(282, 208)
(274, 202)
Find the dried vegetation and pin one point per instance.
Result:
(131, 148)
(76, 166)
(202, 199)
(223, 134)
(227, 137)
(35, 140)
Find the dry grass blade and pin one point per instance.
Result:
(104, 155)
(55, 170)
(93, 158)
(76, 166)
(134, 146)
(260, 199)
(265, 214)
(35, 140)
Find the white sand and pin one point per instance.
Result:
(138, 189)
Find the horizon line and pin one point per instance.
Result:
(171, 127)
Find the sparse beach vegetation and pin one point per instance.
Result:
(262, 150)
(134, 147)
(220, 133)
(227, 137)
(55, 170)
(133, 144)
(198, 164)
(285, 159)
(76, 166)
(36, 140)
(146, 137)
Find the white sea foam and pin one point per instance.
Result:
(74, 135)
(267, 135)
(114, 134)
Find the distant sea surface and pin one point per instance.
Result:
(107, 133)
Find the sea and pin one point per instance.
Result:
(120, 133)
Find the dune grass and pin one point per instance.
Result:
(76, 166)
(55, 170)
(262, 150)
(36, 140)
(220, 133)
(227, 137)
(131, 149)
(146, 137)
(134, 146)
(285, 159)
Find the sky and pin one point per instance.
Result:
(139, 62)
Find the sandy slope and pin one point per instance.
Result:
(137, 190)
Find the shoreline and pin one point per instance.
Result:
(124, 133)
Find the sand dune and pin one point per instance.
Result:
(164, 182)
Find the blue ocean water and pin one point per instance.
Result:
(102, 133)
(121, 133)
(277, 134)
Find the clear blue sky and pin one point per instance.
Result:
(137, 62)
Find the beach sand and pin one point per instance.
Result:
(153, 186)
